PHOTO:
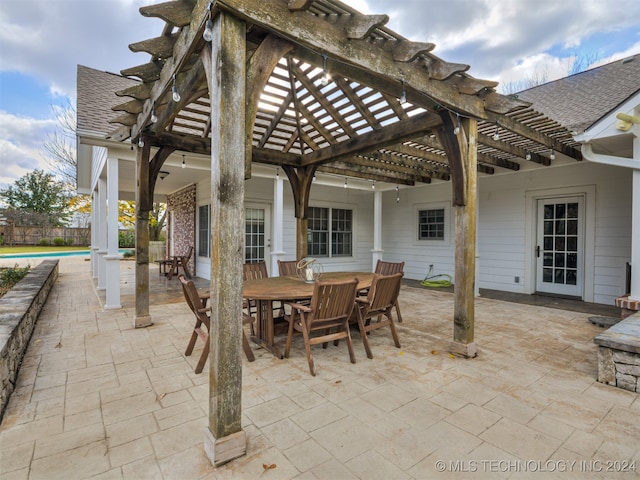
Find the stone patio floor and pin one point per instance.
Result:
(99, 399)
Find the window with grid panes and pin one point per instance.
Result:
(330, 230)
(431, 224)
(203, 230)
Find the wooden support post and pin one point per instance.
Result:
(300, 180)
(461, 151)
(224, 62)
(142, 318)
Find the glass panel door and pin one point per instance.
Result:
(559, 250)
(257, 237)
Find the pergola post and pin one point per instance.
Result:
(301, 179)
(224, 64)
(461, 149)
(142, 318)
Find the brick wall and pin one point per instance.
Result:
(182, 223)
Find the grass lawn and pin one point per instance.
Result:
(26, 249)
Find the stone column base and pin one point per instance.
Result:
(466, 350)
(223, 450)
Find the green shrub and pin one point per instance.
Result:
(126, 239)
(44, 242)
(59, 242)
(10, 276)
(128, 254)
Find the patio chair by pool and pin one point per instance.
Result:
(197, 303)
(377, 305)
(331, 306)
(178, 261)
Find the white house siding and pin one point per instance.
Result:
(506, 226)
(260, 191)
(503, 245)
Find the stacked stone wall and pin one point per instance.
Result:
(19, 311)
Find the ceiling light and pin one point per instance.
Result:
(326, 78)
(154, 117)
(184, 164)
(456, 130)
(174, 90)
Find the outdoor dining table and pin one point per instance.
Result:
(265, 291)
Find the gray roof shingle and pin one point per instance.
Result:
(96, 95)
(580, 100)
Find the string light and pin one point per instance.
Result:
(403, 95)
(174, 90)
(314, 178)
(373, 185)
(345, 182)
(456, 130)
(326, 78)
(184, 164)
(527, 156)
(140, 142)
(552, 156)
(208, 28)
(278, 173)
(397, 194)
(154, 117)
(496, 135)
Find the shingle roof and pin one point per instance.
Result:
(580, 100)
(96, 95)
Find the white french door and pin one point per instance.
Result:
(560, 245)
(257, 237)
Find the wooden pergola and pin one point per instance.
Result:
(310, 86)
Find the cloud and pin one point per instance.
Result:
(21, 146)
(499, 39)
(48, 39)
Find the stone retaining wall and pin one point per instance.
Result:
(19, 310)
(619, 354)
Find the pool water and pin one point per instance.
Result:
(74, 253)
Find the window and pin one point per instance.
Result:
(254, 236)
(431, 224)
(204, 223)
(330, 230)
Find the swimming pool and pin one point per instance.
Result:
(74, 253)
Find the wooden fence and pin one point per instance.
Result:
(14, 235)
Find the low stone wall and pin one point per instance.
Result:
(19, 310)
(619, 354)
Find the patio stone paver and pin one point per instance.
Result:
(96, 398)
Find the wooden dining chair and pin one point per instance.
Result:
(331, 306)
(378, 303)
(287, 267)
(197, 304)
(389, 268)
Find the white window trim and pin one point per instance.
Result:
(354, 240)
(446, 206)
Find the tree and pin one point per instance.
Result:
(577, 63)
(157, 217)
(60, 146)
(38, 199)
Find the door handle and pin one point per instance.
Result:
(538, 251)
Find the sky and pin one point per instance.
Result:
(43, 41)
